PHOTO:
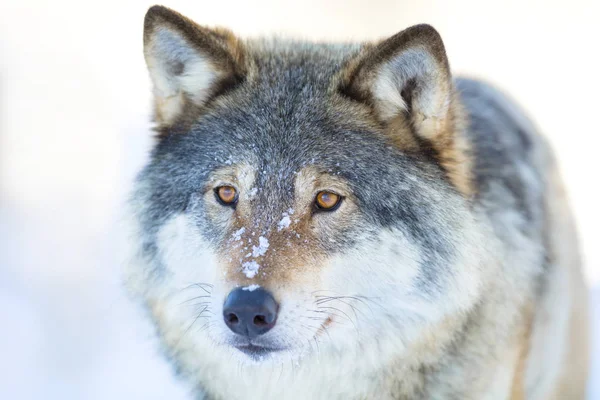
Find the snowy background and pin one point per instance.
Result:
(74, 98)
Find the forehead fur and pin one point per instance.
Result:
(285, 116)
(291, 76)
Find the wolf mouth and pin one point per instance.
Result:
(257, 352)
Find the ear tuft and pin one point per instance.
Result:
(408, 72)
(188, 64)
(406, 80)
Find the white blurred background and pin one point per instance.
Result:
(74, 105)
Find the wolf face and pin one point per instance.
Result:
(302, 202)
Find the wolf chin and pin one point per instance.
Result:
(350, 221)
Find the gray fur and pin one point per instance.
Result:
(290, 125)
(288, 113)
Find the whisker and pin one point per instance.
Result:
(327, 332)
(328, 314)
(200, 285)
(361, 299)
(187, 330)
(194, 298)
(342, 300)
(347, 316)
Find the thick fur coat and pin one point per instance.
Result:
(448, 268)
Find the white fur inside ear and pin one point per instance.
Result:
(431, 98)
(177, 69)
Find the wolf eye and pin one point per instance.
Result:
(226, 195)
(328, 201)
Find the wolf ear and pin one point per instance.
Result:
(188, 64)
(406, 80)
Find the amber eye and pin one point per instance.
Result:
(227, 195)
(328, 201)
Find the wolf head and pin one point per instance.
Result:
(301, 199)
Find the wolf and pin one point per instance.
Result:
(350, 221)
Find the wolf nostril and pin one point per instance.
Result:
(250, 313)
(232, 318)
(260, 320)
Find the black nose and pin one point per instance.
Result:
(250, 312)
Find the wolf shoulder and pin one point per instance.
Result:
(509, 153)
